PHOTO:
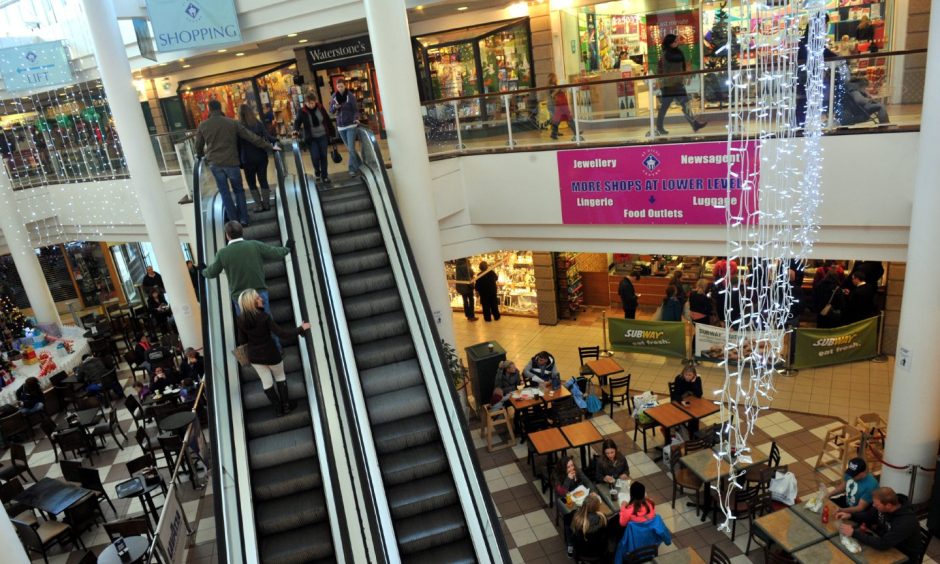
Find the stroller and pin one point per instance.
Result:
(856, 106)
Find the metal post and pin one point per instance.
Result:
(577, 126)
(649, 91)
(832, 94)
(881, 356)
(460, 145)
(788, 369)
(605, 351)
(511, 143)
(910, 491)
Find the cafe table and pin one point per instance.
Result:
(136, 550)
(138, 487)
(520, 402)
(580, 436)
(704, 465)
(51, 496)
(682, 556)
(668, 416)
(176, 422)
(546, 443)
(603, 368)
(698, 408)
(788, 531)
(814, 519)
(826, 552)
(870, 555)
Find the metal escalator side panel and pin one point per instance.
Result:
(377, 515)
(474, 495)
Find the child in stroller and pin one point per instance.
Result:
(856, 106)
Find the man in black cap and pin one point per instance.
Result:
(889, 523)
(854, 494)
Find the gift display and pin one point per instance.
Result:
(28, 355)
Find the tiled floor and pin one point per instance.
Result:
(110, 462)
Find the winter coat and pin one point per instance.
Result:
(637, 535)
(255, 332)
(672, 62)
(540, 374)
(250, 154)
(347, 114)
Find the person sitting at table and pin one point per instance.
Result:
(194, 367)
(687, 385)
(507, 379)
(541, 369)
(161, 380)
(30, 397)
(890, 522)
(639, 509)
(187, 390)
(569, 478)
(140, 351)
(589, 529)
(159, 309)
(854, 494)
(90, 372)
(612, 465)
(142, 390)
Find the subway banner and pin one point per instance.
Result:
(823, 347)
(710, 344)
(664, 338)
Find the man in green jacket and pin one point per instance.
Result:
(243, 263)
(222, 135)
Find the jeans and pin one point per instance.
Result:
(237, 210)
(349, 139)
(665, 101)
(318, 147)
(257, 175)
(35, 409)
(267, 309)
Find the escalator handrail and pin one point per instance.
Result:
(217, 428)
(378, 510)
(311, 379)
(472, 475)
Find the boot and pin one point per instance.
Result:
(275, 400)
(286, 404)
(265, 200)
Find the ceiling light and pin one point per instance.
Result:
(303, 41)
(182, 60)
(419, 7)
(186, 66)
(518, 10)
(239, 54)
(462, 8)
(222, 51)
(291, 35)
(162, 64)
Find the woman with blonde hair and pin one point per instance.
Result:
(255, 327)
(589, 529)
(254, 160)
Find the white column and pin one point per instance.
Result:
(914, 420)
(116, 76)
(411, 170)
(24, 256)
(13, 551)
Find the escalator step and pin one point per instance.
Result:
(356, 241)
(397, 405)
(263, 230)
(285, 479)
(359, 202)
(253, 394)
(263, 422)
(405, 433)
(388, 377)
(281, 448)
(457, 552)
(360, 261)
(311, 544)
(368, 281)
(370, 355)
(432, 493)
(282, 311)
(371, 304)
(378, 327)
(352, 221)
(274, 241)
(412, 464)
(429, 530)
(278, 289)
(291, 512)
(274, 270)
(347, 192)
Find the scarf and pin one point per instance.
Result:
(314, 121)
(341, 96)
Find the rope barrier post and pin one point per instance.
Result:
(910, 490)
(881, 356)
(605, 351)
(788, 369)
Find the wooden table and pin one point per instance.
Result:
(682, 556)
(828, 530)
(521, 404)
(827, 552)
(580, 436)
(51, 496)
(547, 442)
(705, 467)
(603, 368)
(788, 530)
(669, 416)
(870, 555)
(698, 408)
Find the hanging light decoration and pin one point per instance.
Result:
(775, 93)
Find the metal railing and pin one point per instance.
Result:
(626, 110)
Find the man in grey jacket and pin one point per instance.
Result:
(222, 135)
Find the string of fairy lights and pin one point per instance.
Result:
(776, 94)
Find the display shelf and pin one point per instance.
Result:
(570, 285)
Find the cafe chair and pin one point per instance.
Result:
(763, 505)
(141, 463)
(133, 406)
(83, 515)
(52, 403)
(588, 353)
(758, 473)
(43, 538)
(684, 480)
(493, 418)
(172, 447)
(642, 554)
(56, 379)
(74, 441)
(71, 472)
(109, 427)
(718, 556)
(146, 443)
(643, 427)
(775, 555)
(617, 392)
(672, 388)
(24, 513)
(70, 395)
(102, 348)
(566, 412)
(91, 480)
(15, 425)
(18, 464)
(130, 357)
(743, 503)
(124, 528)
(925, 536)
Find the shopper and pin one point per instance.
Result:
(194, 367)
(254, 160)
(628, 296)
(612, 464)
(701, 307)
(486, 288)
(221, 134)
(639, 509)
(866, 32)
(672, 307)
(673, 89)
(270, 120)
(315, 128)
(193, 276)
(30, 397)
(159, 310)
(152, 279)
(889, 523)
(541, 369)
(829, 300)
(861, 299)
(255, 328)
(560, 110)
(676, 280)
(507, 376)
(854, 494)
(464, 285)
(344, 106)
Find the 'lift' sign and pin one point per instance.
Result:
(35, 66)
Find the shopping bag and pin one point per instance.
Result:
(593, 404)
(335, 154)
(643, 402)
(241, 355)
(783, 488)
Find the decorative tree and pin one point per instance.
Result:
(12, 321)
(717, 55)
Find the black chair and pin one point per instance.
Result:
(136, 410)
(718, 556)
(15, 425)
(9, 490)
(83, 515)
(588, 353)
(56, 379)
(642, 554)
(144, 462)
(617, 391)
(643, 427)
(758, 471)
(566, 413)
(103, 348)
(125, 528)
(51, 402)
(925, 537)
(743, 502)
(109, 426)
(72, 396)
(110, 383)
(91, 480)
(45, 536)
(172, 446)
(683, 479)
(130, 357)
(18, 464)
(145, 441)
(777, 556)
(75, 441)
(762, 506)
(71, 471)
(672, 388)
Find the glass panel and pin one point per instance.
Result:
(231, 96)
(483, 123)
(130, 291)
(878, 91)
(453, 71)
(90, 272)
(440, 126)
(505, 59)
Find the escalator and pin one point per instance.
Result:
(278, 500)
(435, 494)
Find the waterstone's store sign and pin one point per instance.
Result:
(333, 52)
(35, 66)
(189, 24)
(654, 184)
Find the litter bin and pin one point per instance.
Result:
(483, 359)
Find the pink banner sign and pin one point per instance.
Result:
(653, 184)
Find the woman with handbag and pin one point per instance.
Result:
(344, 106)
(673, 89)
(254, 333)
(831, 301)
(254, 160)
(315, 130)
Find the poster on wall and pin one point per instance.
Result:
(681, 184)
(35, 66)
(710, 344)
(684, 25)
(663, 338)
(190, 24)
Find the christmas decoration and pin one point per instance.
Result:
(46, 364)
(12, 322)
(721, 48)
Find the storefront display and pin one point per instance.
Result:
(515, 285)
(258, 87)
(350, 60)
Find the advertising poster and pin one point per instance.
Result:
(823, 347)
(663, 338)
(710, 344)
(684, 25)
(683, 184)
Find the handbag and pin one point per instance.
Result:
(335, 154)
(241, 355)
(827, 309)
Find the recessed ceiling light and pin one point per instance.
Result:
(222, 51)
(182, 60)
(239, 54)
(419, 7)
(462, 8)
(186, 66)
(303, 41)
(291, 35)
(162, 64)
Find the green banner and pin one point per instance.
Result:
(823, 347)
(664, 338)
